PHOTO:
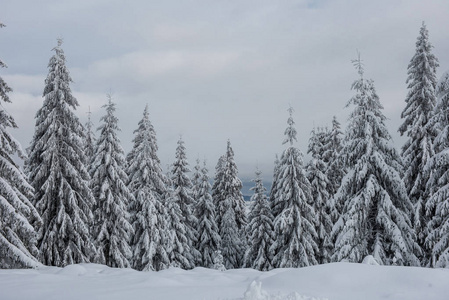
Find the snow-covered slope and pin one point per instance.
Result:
(332, 281)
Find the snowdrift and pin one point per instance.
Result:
(343, 281)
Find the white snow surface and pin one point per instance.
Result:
(330, 281)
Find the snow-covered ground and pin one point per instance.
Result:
(343, 281)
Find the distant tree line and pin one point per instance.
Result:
(81, 199)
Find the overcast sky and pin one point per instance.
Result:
(217, 70)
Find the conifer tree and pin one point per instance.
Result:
(230, 209)
(316, 174)
(232, 242)
(259, 229)
(208, 236)
(216, 188)
(196, 180)
(374, 220)
(332, 157)
(274, 210)
(178, 245)
(437, 206)
(112, 228)
(18, 217)
(182, 187)
(58, 173)
(148, 213)
(418, 149)
(294, 227)
(90, 138)
(218, 261)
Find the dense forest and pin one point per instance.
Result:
(80, 198)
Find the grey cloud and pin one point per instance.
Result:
(219, 70)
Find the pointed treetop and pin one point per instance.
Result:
(89, 114)
(109, 96)
(423, 27)
(358, 64)
(60, 41)
(290, 110)
(145, 112)
(290, 131)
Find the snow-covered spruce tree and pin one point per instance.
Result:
(208, 236)
(374, 220)
(148, 213)
(418, 149)
(437, 206)
(112, 228)
(273, 190)
(58, 173)
(218, 261)
(230, 209)
(259, 229)
(182, 187)
(90, 138)
(294, 226)
(178, 245)
(196, 180)
(232, 242)
(17, 215)
(332, 147)
(216, 186)
(316, 174)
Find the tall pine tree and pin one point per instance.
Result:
(196, 180)
(230, 209)
(208, 236)
(260, 229)
(316, 174)
(90, 138)
(148, 214)
(294, 226)
(418, 149)
(374, 220)
(437, 206)
(58, 173)
(182, 187)
(18, 217)
(178, 244)
(273, 189)
(331, 156)
(112, 228)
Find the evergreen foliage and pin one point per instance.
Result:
(178, 244)
(148, 214)
(418, 149)
(58, 174)
(316, 174)
(332, 157)
(216, 188)
(112, 228)
(208, 236)
(437, 206)
(294, 225)
(196, 181)
(374, 220)
(259, 229)
(218, 261)
(182, 187)
(90, 138)
(18, 217)
(274, 210)
(230, 210)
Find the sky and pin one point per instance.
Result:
(217, 70)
